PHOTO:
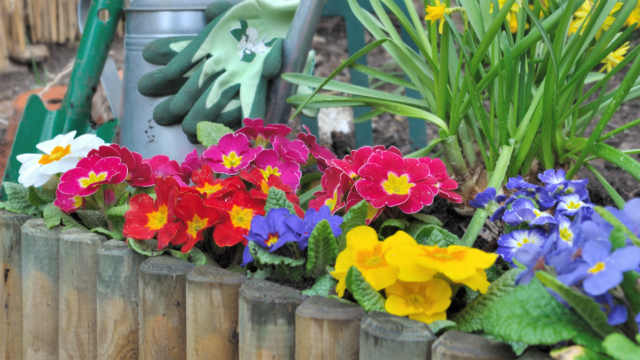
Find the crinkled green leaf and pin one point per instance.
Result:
(197, 257)
(39, 196)
(525, 313)
(264, 257)
(111, 234)
(322, 249)
(119, 210)
(356, 216)
(277, 199)
(17, 199)
(178, 254)
(365, 295)
(582, 304)
(430, 234)
(426, 219)
(145, 247)
(322, 286)
(441, 325)
(209, 133)
(92, 218)
(53, 217)
(621, 348)
(390, 226)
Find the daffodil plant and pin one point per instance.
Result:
(508, 83)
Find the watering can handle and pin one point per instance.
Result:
(110, 80)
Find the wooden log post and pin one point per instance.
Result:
(162, 286)
(456, 345)
(39, 264)
(385, 336)
(266, 324)
(77, 297)
(212, 313)
(117, 301)
(11, 284)
(327, 329)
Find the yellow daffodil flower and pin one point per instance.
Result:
(424, 301)
(436, 12)
(615, 58)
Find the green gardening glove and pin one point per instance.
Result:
(222, 74)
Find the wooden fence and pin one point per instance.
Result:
(75, 295)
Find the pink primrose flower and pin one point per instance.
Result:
(191, 163)
(232, 154)
(335, 184)
(322, 155)
(269, 163)
(139, 173)
(68, 203)
(354, 161)
(443, 182)
(389, 180)
(162, 166)
(90, 173)
(262, 134)
(291, 150)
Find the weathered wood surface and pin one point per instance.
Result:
(327, 329)
(77, 297)
(162, 286)
(11, 286)
(456, 345)
(39, 264)
(266, 325)
(385, 336)
(211, 330)
(117, 301)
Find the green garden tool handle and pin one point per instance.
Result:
(93, 50)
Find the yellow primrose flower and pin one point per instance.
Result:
(401, 244)
(366, 253)
(615, 58)
(424, 301)
(436, 12)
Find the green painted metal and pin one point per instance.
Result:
(38, 124)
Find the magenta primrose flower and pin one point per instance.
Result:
(139, 172)
(322, 155)
(261, 134)
(91, 172)
(354, 161)
(291, 150)
(232, 154)
(389, 180)
(269, 163)
(191, 163)
(68, 203)
(162, 166)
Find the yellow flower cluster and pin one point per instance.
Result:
(416, 278)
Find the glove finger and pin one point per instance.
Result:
(218, 7)
(231, 115)
(273, 61)
(162, 114)
(200, 111)
(259, 104)
(159, 83)
(162, 51)
(191, 91)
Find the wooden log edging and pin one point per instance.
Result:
(117, 303)
(385, 336)
(11, 285)
(40, 282)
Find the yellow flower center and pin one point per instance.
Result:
(537, 212)
(241, 217)
(231, 160)
(397, 185)
(92, 179)
(331, 203)
(371, 212)
(416, 301)
(369, 259)
(524, 241)
(195, 225)
(56, 154)
(566, 235)
(262, 141)
(442, 254)
(572, 205)
(78, 201)
(157, 219)
(208, 188)
(269, 170)
(596, 268)
(273, 238)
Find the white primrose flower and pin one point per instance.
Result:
(61, 153)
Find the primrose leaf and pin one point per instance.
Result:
(118, 211)
(197, 257)
(390, 226)
(426, 219)
(264, 257)
(441, 325)
(322, 286)
(365, 295)
(582, 304)
(178, 254)
(322, 249)
(356, 216)
(111, 234)
(92, 218)
(53, 217)
(40, 196)
(144, 247)
(430, 234)
(277, 199)
(18, 199)
(209, 133)
(620, 347)
(525, 314)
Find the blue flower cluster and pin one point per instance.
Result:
(554, 227)
(280, 227)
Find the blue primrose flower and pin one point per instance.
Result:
(570, 205)
(483, 198)
(600, 270)
(629, 216)
(552, 178)
(518, 183)
(304, 227)
(270, 232)
(616, 313)
(523, 210)
(533, 256)
(510, 243)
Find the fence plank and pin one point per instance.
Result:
(11, 297)
(39, 257)
(211, 330)
(118, 301)
(162, 308)
(266, 320)
(327, 329)
(77, 298)
(385, 336)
